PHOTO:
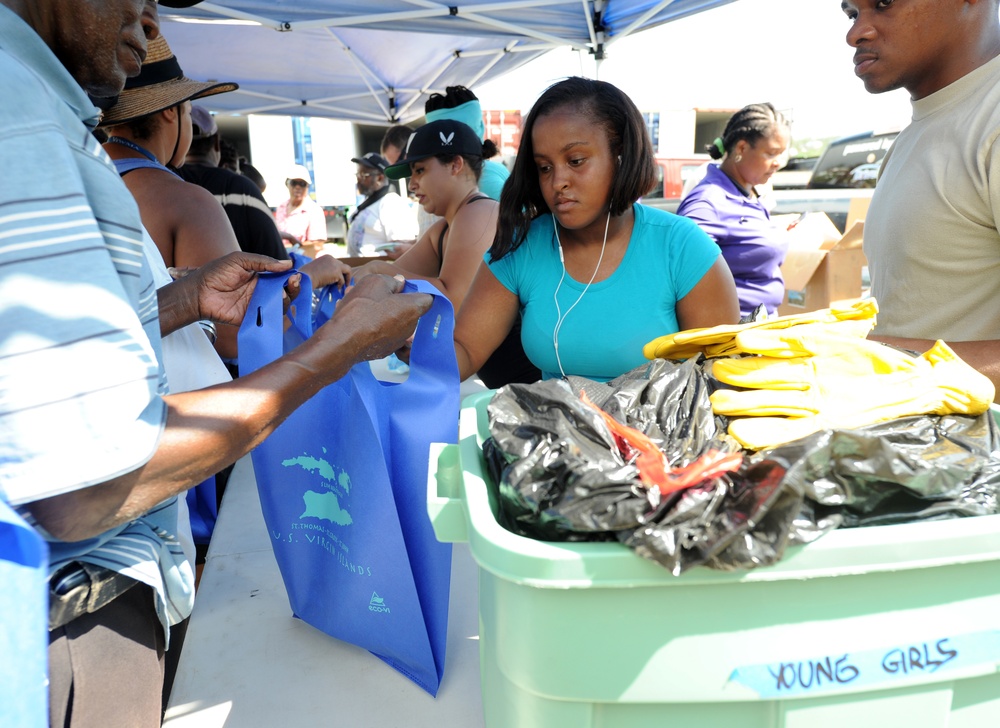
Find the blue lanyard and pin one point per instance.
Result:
(134, 147)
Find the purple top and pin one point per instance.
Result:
(751, 244)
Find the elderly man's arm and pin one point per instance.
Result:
(984, 356)
(211, 428)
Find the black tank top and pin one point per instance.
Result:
(440, 250)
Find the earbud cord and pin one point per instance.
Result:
(560, 316)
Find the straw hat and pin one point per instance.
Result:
(160, 84)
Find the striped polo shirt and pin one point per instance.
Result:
(80, 380)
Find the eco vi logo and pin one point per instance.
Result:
(377, 604)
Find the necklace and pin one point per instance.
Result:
(134, 147)
(560, 316)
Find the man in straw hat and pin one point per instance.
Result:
(95, 451)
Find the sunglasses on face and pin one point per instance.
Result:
(364, 175)
(297, 183)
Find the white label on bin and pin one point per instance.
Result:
(853, 670)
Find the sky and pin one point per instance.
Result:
(789, 52)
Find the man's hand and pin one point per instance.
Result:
(374, 318)
(225, 285)
(219, 291)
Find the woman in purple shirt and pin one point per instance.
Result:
(725, 204)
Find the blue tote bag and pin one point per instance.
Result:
(203, 508)
(342, 486)
(24, 623)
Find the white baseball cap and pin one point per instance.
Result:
(298, 171)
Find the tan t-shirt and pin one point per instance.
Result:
(931, 234)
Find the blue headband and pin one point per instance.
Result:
(469, 113)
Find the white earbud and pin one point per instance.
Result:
(555, 230)
(560, 316)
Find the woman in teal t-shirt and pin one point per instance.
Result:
(594, 275)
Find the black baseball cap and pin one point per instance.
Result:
(444, 136)
(373, 160)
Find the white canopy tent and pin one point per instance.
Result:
(376, 61)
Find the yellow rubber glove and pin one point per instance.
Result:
(719, 340)
(747, 341)
(824, 381)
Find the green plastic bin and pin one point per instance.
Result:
(869, 627)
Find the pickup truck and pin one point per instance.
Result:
(846, 170)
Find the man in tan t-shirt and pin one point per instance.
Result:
(931, 233)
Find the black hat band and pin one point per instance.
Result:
(158, 72)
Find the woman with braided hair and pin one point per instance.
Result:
(725, 204)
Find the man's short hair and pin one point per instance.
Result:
(229, 155)
(396, 136)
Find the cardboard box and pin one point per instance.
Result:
(857, 210)
(822, 265)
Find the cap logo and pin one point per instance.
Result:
(446, 140)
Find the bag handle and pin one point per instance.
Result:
(265, 313)
(301, 312)
(303, 317)
(433, 355)
(432, 359)
(328, 297)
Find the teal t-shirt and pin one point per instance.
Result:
(492, 179)
(604, 333)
